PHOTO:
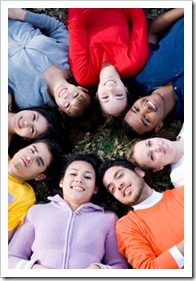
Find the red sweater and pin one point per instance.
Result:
(145, 236)
(116, 35)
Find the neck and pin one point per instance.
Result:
(168, 97)
(53, 76)
(10, 126)
(178, 149)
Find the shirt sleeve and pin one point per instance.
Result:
(112, 258)
(49, 25)
(138, 51)
(137, 249)
(19, 248)
(79, 58)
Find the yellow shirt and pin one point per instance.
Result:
(21, 196)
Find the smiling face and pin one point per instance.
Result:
(29, 124)
(30, 161)
(125, 185)
(71, 99)
(154, 153)
(147, 113)
(78, 183)
(111, 92)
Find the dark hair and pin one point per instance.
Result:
(56, 156)
(89, 158)
(109, 201)
(131, 133)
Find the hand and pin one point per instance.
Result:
(39, 266)
(93, 266)
(16, 13)
(9, 102)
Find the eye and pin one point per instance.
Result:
(32, 130)
(34, 117)
(67, 105)
(76, 95)
(146, 119)
(118, 95)
(151, 156)
(32, 150)
(120, 175)
(148, 143)
(73, 174)
(88, 177)
(104, 97)
(111, 189)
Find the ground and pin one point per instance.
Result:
(107, 143)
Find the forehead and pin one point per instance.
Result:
(81, 166)
(112, 171)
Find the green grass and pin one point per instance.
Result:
(107, 143)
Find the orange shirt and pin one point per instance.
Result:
(144, 236)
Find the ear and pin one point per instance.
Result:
(61, 183)
(40, 177)
(158, 169)
(96, 190)
(158, 127)
(140, 172)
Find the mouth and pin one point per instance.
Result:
(126, 190)
(23, 161)
(20, 123)
(77, 188)
(109, 82)
(151, 105)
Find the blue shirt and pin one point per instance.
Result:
(165, 64)
(34, 45)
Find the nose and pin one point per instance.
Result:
(157, 148)
(30, 159)
(120, 185)
(26, 123)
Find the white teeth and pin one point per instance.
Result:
(79, 188)
(151, 105)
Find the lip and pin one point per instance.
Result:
(23, 161)
(151, 104)
(109, 81)
(77, 188)
(126, 190)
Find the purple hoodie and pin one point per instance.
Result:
(56, 237)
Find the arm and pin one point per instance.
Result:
(79, 59)
(132, 242)
(20, 246)
(138, 40)
(160, 25)
(112, 258)
(49, 25)
(9, 98)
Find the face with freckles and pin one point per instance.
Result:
(30, 161)
(78, 183)
(154, 153)
(29, 124)
(71, 99)
(125, 185)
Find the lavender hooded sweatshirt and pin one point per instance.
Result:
(55, 236)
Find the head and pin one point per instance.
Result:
(151, 154)
(146, 115)
(112, 93)
(36, 122)
(78, 179)
(124, 181)
(37, 161)
(72, 100)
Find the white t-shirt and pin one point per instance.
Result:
(177, 169)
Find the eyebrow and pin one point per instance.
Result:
(115, 175)
(142, 119)
(40, 158)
